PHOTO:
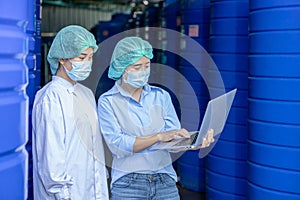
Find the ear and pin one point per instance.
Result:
(61, 61)
(124, 75)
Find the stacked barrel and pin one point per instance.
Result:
(151, 16)
(13, 99)
(38, 43)
(105, 29)
(274, 100)
(172, 21)
(170, 44)
(33, 61)
(226, 164)
(195, 25)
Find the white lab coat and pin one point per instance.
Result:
(68, 155)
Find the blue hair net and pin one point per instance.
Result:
(70, 42)
(127, 52)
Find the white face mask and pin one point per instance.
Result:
(80, 70)
(137, 79)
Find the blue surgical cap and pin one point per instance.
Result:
(70, 42)
(127, 52)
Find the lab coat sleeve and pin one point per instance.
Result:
(49, 132)
(120, 143)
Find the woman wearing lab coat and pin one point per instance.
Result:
(68, 157)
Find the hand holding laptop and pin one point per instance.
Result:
(207, 140)
(212, 125)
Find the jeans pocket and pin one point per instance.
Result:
(123, 182)
(168, 180)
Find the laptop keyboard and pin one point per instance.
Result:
(188, 141)
(194, 138)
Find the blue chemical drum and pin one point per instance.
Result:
(274, 100)
(195, 19)
(13, 169)
(31, 56)
(13, 99)
(13, 120)
(195, 25)
(195, 4)
(228, 47)
(173, 22)
(190, 169)
(213, 194)
(31, 87)
(34, 59)
(105, 29)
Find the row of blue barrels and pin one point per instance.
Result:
(170, 57)
(227, 163)
(105, 29)
(33, 58)
(151, 18)
(195, 27)
(33, 61)
(13, 99)
(274, 100)
(119, 22)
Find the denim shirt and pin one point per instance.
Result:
(122, 119)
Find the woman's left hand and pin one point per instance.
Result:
(207, 140)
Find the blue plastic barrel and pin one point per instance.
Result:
(172, 21)
(190, 169)
(274, 100)
(13, 99)
(195, 25)
(13, 170)
(31, 60)
(228, 47)
(195, 19)
(213, 194)
(105, 29)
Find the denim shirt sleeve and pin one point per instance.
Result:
(119, 143)
(170, 116)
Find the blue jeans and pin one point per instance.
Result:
(136, 186)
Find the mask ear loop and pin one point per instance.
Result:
(124, 78)
(66, 70)
(62, 63)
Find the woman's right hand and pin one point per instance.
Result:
(143, 142)
(171, 135)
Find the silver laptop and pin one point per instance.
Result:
(214, 118)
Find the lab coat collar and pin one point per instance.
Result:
(66, 84)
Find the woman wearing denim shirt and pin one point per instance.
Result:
(133, 117)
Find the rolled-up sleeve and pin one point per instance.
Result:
(119, 142)
(48, 128)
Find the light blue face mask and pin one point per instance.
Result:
(137, 79)
(80, 70)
